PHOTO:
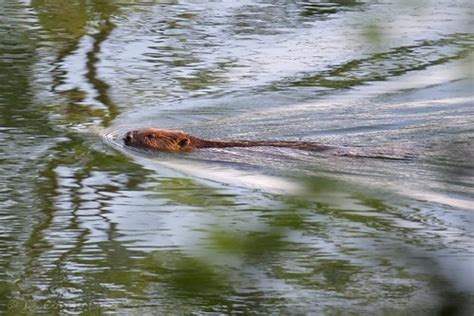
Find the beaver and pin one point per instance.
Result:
(162, 140)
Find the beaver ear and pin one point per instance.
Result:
(183, 143)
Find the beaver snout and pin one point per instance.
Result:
(128, 138)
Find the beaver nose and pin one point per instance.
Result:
(128, 137)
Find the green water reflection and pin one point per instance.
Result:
(382, 66)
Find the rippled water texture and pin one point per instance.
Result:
(89, 226)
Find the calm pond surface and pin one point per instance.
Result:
(90, 227)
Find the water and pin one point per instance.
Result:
(88, 226)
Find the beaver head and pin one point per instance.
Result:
(159, 140)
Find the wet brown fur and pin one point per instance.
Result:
(178, 141)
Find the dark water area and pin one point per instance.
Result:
(88, 226)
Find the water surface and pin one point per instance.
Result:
(89, 226)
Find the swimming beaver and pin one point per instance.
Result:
(178, 141)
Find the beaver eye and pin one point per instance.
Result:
(151, 136)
